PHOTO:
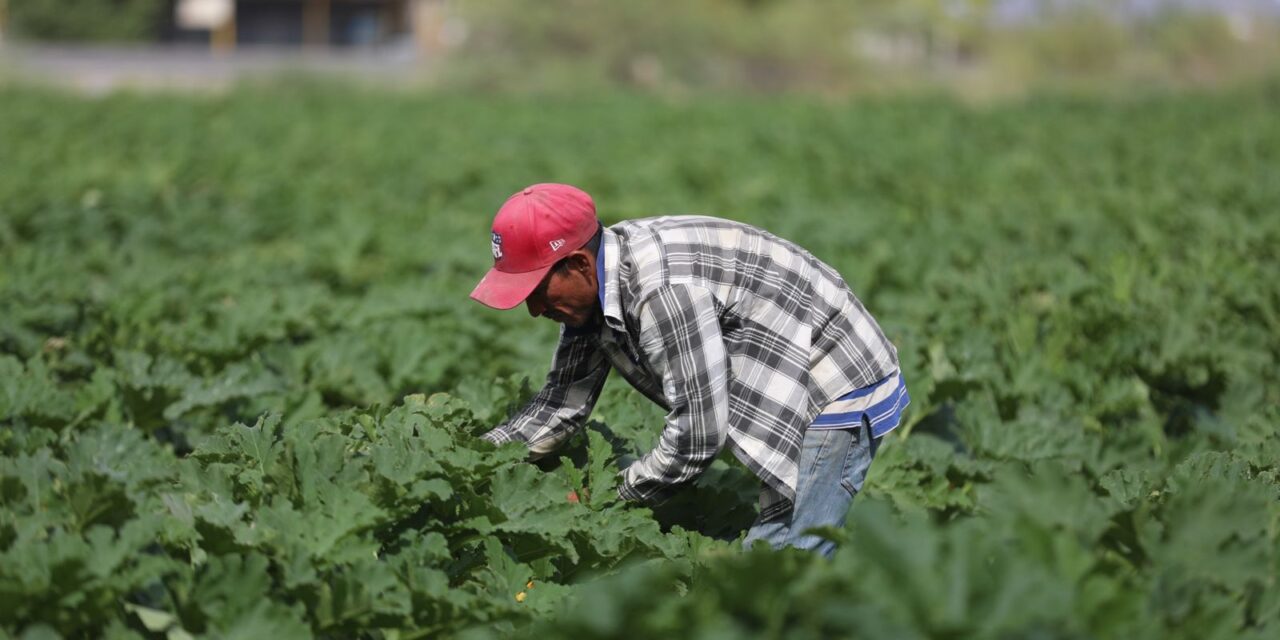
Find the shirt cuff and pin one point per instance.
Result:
(498, 436)
(653, 498)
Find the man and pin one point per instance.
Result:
(747, 340)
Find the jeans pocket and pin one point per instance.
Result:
(857, 461)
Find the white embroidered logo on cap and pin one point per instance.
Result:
(556, 244)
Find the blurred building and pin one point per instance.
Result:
(227, 24)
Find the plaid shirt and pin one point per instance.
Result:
(741, 336)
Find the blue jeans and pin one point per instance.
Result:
(833, 465)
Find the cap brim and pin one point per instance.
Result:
(502, 290)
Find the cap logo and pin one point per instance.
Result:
(556, 244)
(496, 245)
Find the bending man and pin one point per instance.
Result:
(747, 340)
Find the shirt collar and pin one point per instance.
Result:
(609, 278)
(600, 287)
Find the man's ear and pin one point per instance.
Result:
(578, 261)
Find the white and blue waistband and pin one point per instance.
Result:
(881, 404)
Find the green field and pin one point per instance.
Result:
(224, 322)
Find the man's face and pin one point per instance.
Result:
(568, 293)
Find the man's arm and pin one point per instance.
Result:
(680, 334)
(560, 408)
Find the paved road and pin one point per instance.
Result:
(98, 70)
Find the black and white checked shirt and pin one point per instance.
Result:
(742, 336)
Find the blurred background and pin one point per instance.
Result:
(976, 48)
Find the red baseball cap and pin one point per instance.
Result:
(533, 230)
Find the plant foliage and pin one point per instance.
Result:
(241, 384)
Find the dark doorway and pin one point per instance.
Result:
(269, 22)
(358, 23)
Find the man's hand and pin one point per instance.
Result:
(574, 498)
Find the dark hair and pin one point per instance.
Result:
(592, 245)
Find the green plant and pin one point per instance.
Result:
(224, 323)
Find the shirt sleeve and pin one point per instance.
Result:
(561, 407)
(680, 336)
